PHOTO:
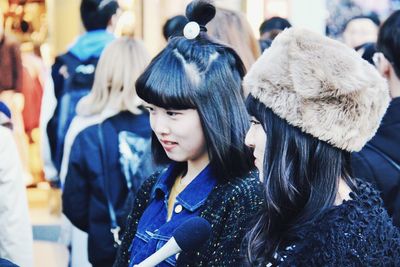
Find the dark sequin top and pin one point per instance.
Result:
(358, 232)
(229, 209)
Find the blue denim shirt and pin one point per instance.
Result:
(153, 229)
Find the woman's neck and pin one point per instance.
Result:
(343, 192)
(194, 167)
(394, 85)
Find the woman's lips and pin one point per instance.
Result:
(168, 145)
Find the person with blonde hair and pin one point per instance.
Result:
(232, 28)
(72, 76)
(92, 182)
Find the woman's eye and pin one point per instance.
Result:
(254, 122)
(172, 113)
(149, 108)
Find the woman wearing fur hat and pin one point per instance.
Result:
(312, 102)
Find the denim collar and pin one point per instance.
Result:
(194, 195)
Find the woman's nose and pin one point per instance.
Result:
(249, 139)
(159, 125)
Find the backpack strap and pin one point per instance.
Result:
(115, 228)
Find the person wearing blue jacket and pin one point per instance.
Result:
(105, 162)
(72, 78)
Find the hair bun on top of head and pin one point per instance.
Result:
(198, 13)
(321, 86)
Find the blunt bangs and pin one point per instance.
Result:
(254, 107)
(202, 75)
(164, 83)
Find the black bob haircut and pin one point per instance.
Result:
(96, 14)
(203, 75)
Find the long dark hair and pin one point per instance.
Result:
(300, 178)
(203, 75)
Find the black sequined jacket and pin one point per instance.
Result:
(229, 209)
(358, 232)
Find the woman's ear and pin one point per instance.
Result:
(112, 24)
(384, 67)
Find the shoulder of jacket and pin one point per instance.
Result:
(87, 136)
(246, 190)
(149, 183)
(243, 184)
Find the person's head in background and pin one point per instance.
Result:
(200, 77)
(97, 14)
(125, 25)
(367, 51)
(232, 28)
(361, 29)
(174, 26)
(388, 60)
(120, 64)
(270, 28)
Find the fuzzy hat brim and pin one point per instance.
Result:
(321, 86)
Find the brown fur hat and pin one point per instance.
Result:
(321, 86)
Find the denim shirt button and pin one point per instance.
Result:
(178, 208)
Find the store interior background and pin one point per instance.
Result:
(48, 27)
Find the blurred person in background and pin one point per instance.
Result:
(34, 75)
(10, 92)
(16, 242)
(379, 161)
(91, 171)
(270, 28)
(367, 51)
(360, 30)
(6, 263)
(232, 28)
(72, 78)
(5, 116)
(125, 25)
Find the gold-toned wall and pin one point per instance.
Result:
(64, 24)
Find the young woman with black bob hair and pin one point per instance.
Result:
(308, 114)
(199, 120)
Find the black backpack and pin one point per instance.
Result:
(75, 80)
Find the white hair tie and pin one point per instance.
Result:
(191, 30)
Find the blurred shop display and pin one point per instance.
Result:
(25, 21)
